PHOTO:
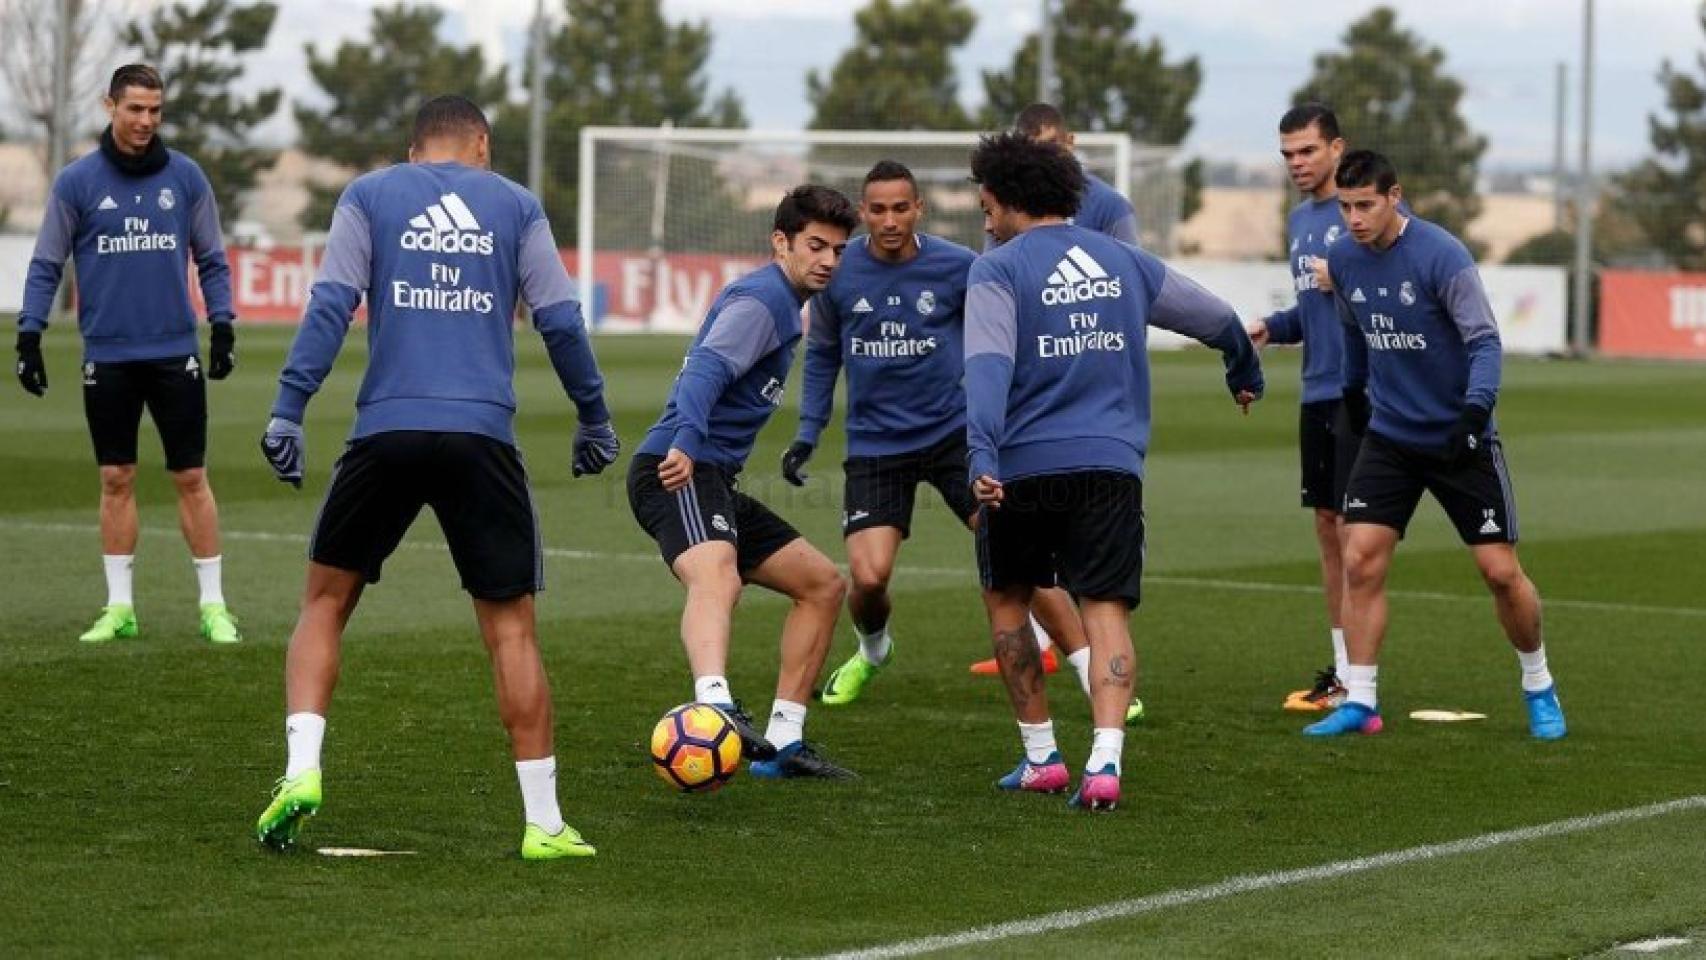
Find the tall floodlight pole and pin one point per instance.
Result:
(1585, 194)
(59, 139)
(536, 102)
(1045, 55)
(1559, 98)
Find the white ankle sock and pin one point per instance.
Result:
(538, 780)
(119, 570)
(875, 647)
(303, 733)
(1359, 685)
(713, 689)
(1341, 659)
(1535, 675)
(207, 573)
(1106, 746)
(1044, 641)
(1080, 660)
(1038, 739)
(787, 723)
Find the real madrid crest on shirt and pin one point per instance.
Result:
(1332, 236)
(1407, 294)
(926, 303)
(167, 201)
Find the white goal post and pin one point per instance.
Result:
(666, 215)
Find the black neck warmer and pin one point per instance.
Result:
(153, 160)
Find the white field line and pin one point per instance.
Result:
(966, 573)
(1252, 883)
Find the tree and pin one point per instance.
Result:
(1108, 80)
(898, 73)
(28, 43)
(616, 64)
(375, 88)
(1391, 94)
(1666, 193)
(198, 50)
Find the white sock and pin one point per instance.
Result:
(787, 723)
(1080, 660)
(1535, 675)
(1044, 641)
(303, 733)
(539, 793)
(874, 647)
(713, 689)
(1106, 746)
(1341, 659)
(119, 569)
(1359, 685)
(1038, 739)
(207, 574)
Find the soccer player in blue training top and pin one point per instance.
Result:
(1057, 398)
(441, 248)
(132, 215)
(714, 537)
(1311, 145)
(1100, 208)
(1424, 349)
(893, 315)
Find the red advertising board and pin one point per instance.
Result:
(631, 291)
(1659, 315)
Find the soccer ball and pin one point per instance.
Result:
(695, 748)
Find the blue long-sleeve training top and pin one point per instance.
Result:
(1312, 229)
(734, 374)
(441, 251)
(1420, 335)
(1057, 367)
(132, 239)
(898, 328)
(1100, 208)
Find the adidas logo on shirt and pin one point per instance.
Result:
(447, 226)
(108, 203)
(863, 306)
(1357, 297)
(1078, 277)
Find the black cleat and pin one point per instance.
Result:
(753, 746)
(800, 759)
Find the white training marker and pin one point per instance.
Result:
(1445, 716)
(1655, 945)
(361, 852)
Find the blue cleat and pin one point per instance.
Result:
(1050, 776)
(799, 759)
(1349, 718)
(1545, 716)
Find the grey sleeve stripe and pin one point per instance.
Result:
(1466, 301)
(544, 279)
(742, 332)
(349, 249)
(1184, 306)
(204, 224)
(992, 321)
(825, 325)
(58, 227)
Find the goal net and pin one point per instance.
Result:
(668, 216)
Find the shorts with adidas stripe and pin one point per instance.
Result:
(1389, 478)
(173, 391)
(708, 508)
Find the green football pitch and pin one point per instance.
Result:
(131, 774)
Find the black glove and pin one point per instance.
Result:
(793, 459)
(1467, 435)
(222, 350)
(32, 371)
(1355, 404)
(596, 447)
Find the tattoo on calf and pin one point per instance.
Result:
(1017, 651)
(1119, 671)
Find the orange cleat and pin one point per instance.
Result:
(988, 668)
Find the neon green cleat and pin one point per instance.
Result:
(218, 625)
(1134, 712)
(849, 679)
(536, 844)
(116, 622)
(293, 801)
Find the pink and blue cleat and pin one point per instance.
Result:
(1351, 717)
(1050, 776)
(1098, 791)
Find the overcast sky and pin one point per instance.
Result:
(1254, 53)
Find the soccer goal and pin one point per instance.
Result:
(667, 216)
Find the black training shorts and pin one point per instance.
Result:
(709, 507)
(881, 491)
(1389, 479)
(1081, 530)
(173, 390)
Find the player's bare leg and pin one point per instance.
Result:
(524, 692)
(1328, 690)
(1021, 665)
(198, 519)
(804, 575)
(1368, 557)
(1113, 667)
(870, 561)
(119, 533)
(1517, 602)
(1054, 618)
(713, 585)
